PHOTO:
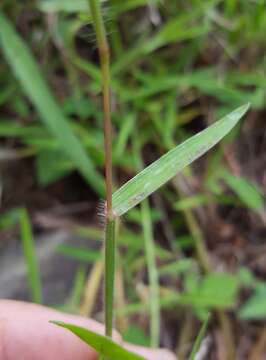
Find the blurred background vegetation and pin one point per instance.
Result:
(177, 66)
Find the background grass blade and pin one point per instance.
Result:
(26, 70)
(154, 289)
(103, 345)
(150, 254)
(65, 5)
(246, 191)
(199, 338)
(30, 256)
(163, 169)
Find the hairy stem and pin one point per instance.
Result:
(110, 223)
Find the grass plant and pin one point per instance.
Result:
(145, 87)
(137, 189)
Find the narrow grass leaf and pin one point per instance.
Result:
(176, 30)
(199, 338)
(166, 167)
(150, 254)
(30, 256)
(154, 289)
(11, 129)
(28, 73)
(76, 294)
(102, 344)
(70, 6)
(80, 254)
(245, 190)
(63, 5)
(191, 202)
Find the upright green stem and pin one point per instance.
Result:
(105, 70)
(110, 222)
(109, 275)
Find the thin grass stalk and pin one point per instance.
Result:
(28, 246)
(109, 275)
(199, 339)
(104, 56)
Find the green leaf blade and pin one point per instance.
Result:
(199, 339)
(102, 344)
(68, 6)
(166, 167)
(246, 191)
(33, 271)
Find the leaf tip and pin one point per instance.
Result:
(244, 108)
(55, 322)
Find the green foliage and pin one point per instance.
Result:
(217, 290)
(20, 216)
(51, 166)
(176, 268)
(31, 79)
(192, 202)
(73, 302)
(81, 254)
(153, 274)
(103, 345)
(245, 190)
(177, 29)
(176, 66)
(255, 307)
(213, 291)
(63, 5)
(136, 335)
